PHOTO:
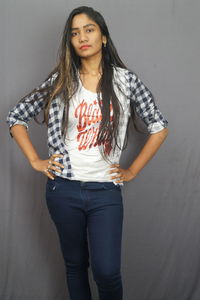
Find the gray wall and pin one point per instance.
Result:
(161, 233)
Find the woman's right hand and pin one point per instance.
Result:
(46, 165)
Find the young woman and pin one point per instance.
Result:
(87, 101)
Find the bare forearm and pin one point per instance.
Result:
(21, 137)
(148, 151)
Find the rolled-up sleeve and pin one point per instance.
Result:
(145, 106)
(29, 106)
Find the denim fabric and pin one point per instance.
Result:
(88, 217)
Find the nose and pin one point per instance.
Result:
(82, 36)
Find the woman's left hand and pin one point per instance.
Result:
(122, 174)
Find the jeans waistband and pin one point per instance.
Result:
(87, 184)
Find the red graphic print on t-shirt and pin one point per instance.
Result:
(88, 115)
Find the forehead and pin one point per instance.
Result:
(81, 20)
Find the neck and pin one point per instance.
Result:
(91, 65)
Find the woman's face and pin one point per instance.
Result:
(85, 31)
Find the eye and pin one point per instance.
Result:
(73, 33)
(90, 29)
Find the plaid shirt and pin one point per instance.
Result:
(129, 89)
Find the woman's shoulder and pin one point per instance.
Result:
(124, 76)
(126, 72)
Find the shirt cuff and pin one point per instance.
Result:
(20, 123)
(155, 127)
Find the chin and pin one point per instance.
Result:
(86, 55)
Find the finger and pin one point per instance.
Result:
(57, 164)
(54, 168)
(48, 174)
(114, 171)
(114, 177)
(57, 155)
(121, 178)
(52, 176)
(114, 165)
(119, 181)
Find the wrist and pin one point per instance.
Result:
(33, 160)
(132, 173)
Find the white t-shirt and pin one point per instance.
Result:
(83, 126)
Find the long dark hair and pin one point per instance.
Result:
(66, 83)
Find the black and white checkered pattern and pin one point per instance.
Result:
(132, 92)
(145, 107)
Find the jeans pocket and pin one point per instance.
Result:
(111, 186)
(51, 184)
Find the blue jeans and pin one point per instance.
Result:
(78, 207)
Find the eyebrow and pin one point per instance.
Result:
(87, 25)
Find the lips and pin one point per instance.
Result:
(85, 46)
